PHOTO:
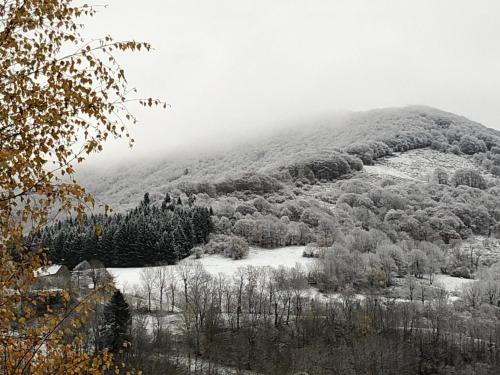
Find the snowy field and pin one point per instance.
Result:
(383, 170)
(127, 279)
(450, 283)
(418, 165)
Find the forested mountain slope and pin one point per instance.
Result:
(383, 183)
(395, 209)
(399, 128)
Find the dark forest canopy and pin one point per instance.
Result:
(146, 235)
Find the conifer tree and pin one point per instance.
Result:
(146, 201)
(146, 235)
(117, 321)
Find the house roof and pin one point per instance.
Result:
(82, 266)
(48, 270)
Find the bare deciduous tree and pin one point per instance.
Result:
(161, 281)
(148, 283)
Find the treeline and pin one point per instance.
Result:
(329, 167)
(146, 235)
(266, 321)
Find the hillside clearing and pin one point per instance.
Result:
(128, 279)
(418, 165)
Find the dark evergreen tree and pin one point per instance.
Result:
(166, 202)
(146, 235)
(117, 321)
(146, 201)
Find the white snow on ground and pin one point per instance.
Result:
(285, 256)
(382, 170)
(450, 283)
(128, 279)
(154, 323)
(198, 365)
(419, 164)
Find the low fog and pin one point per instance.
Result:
(237, 69)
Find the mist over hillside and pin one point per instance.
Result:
(122, 186)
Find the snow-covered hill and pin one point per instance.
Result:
(124, 186)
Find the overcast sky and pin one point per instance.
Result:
(234, 67)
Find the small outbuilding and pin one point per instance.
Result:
(53, 277)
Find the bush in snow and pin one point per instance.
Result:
(468, 177)
(495, 170)
(327, 169)
(236, 248)
(198, 252)
(440, 176)
(439, 146)
(355, 200)
(230, 246)
(455, 150)
(471, 145)
(311, 251)
(362, 151)
(354, 162)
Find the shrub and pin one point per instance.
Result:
(440, 176)
(380, 149)
(321, 169)
(455, 150)
(198, 252)
(495, 170)
(230, 246)
(262, 205)
(355, 200)
(460, 272)
(237, 248)
(468, 177)
(495, 231)
(355, 186)
(471, 145)
(362, 151)
(439, 146)
(377, 278)
(311, 251)
(354, 162)
(310, 217)
(245, 209)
